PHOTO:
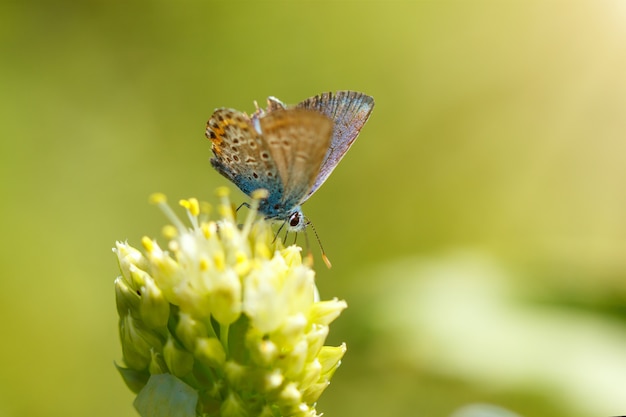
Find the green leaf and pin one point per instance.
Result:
(166, 396)
(135, 380)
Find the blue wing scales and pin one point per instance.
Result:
(349, 110)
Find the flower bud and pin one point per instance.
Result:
(325, 312)
(210, 352)
(225, 297)
(316, 338)
(330, 358)
(126, 299)
(311, 374)
(290, 401)
(154, 308)
(137, 343)
(178, 360)
(189, 330)
(127, 256)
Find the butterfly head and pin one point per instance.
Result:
(296, 220)
(293, 218)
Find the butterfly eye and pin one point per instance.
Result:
(294, 219)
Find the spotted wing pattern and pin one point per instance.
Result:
(349, 110)
(241, 155)
(281, 151)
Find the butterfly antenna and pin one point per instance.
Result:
(319, 242)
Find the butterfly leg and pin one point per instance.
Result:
(242, 205)
(278, 232)
(286, 234)
(306, 241)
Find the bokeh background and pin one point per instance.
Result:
(477, 227)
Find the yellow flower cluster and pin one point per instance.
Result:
(228, 312)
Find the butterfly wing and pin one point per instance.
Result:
(349, 110)
(275, 104)
(240, 153)
(298, 139)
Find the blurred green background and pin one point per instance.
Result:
(477, 227)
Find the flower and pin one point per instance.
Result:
(226, 317)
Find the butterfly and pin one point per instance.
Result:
(288, 150)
